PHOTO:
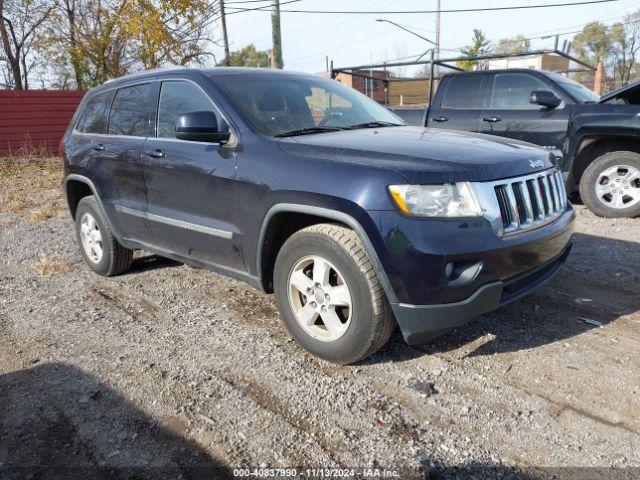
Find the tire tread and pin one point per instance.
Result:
(121, 258)
(383, 322)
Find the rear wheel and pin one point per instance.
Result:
(99, 247)
(610, 186)
(329, 295)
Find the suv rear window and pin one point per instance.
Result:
(463, 91)
(130, 111)
(94, 115)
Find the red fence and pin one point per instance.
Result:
(35, 120)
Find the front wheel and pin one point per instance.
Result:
(329, 295)
(610, 186)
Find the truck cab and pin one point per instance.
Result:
(593, 140)
(498, 102)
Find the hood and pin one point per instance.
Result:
(424, 155)
(629, 93)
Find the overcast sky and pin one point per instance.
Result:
(359, 39)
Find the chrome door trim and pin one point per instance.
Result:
(216, 232)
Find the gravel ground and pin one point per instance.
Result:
(170, 371)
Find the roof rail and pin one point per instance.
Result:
(146, 72)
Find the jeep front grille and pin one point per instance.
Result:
(530, 201)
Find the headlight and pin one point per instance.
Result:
(447, 200)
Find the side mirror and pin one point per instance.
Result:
(200, 126)
(545, 98)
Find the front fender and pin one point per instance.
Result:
(339, 210)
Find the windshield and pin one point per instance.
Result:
(278, 105)
(578, 91)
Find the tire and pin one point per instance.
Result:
(114, 258)
(366, 324)
(600, 174)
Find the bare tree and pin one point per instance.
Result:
(19, 24)
(625, 48)
(90, 41)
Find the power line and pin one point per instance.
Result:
(329, 23)
(460, 10)
(562, 31)
(556, 33)
(245, 1)
(264, 8)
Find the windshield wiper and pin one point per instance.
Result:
(374, 125)
(308, 131)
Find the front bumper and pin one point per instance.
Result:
(416, 253)
(420, 323)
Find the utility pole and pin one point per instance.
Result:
(437, 53)
(275, 33)
(225, 37)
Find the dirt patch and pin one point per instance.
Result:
(168, 366)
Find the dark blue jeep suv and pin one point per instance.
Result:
(308, 189)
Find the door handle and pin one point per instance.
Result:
(440, 119)
(155, 153)
(493, 119)
(98, 148)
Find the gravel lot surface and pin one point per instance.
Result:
(168, 368)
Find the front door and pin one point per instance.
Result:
(190, 185)
(509, 113)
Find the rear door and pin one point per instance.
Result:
(191, 185)
(458, 106)
(509, 113)
(89, 129)
(117, 166)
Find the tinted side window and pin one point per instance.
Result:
(130, 111)
(94, 115)
(512, 90)
(177, 98)
(463, 92)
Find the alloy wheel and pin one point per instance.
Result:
(619, 186)
(320, 298)
(91, 238)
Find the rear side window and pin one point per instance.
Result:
(512, 90)
(95, 113)
(463, 92)
(130, 111)
(177, 98)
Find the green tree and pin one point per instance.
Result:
(616, 46)
(517, 44)
(249, 56)
(593, 43)
(480, 45)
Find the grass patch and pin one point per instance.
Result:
(30, 187)
(45, 212)
(48, 264)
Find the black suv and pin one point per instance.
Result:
(306, 188)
